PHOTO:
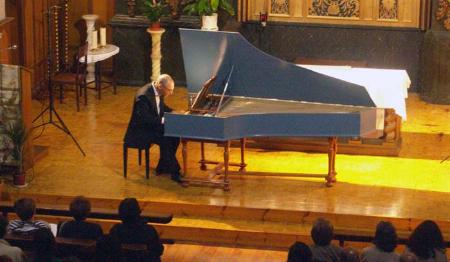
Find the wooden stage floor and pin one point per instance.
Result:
(414, 185)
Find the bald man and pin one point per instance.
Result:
(147, 124)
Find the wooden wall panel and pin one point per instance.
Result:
(77, 8)
(6, 54)
(395, 13)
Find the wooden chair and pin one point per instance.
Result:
(77, 78)
(147, 158)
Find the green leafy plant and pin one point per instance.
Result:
(17, 134)
(155, 9)
(208, 7)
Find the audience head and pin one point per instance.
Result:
(322, 232)
(80, 207)
(299, 252)
(43, 245)
(129, 210)
(25, 208)
(385, 237)
(425, 239)
(108, 249)
(165, 85)
(3, 225)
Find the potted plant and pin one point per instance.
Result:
(154, 10)
(17, 134)
(207, 9)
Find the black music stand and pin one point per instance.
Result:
(59, 123)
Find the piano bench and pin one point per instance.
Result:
(139, 148)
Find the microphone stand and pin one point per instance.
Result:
(59, 123)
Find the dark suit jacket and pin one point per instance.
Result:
(145, 124)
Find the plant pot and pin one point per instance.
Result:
(19, 180)
(155, 26)
(209, 22)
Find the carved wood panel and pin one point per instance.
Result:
(385, 13)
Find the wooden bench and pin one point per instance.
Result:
(82, 248)
(367, 236)
(96, 213)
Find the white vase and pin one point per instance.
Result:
(209, 22)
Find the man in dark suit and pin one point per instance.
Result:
(147, 124)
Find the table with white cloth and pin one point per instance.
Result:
(95, 56)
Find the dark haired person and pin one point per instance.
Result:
(426, 243)
(299, 252)
(133, 230)
(79, 228)
(385, 243)
(14, 253)
(44, 246)
(322, 233)
(108, 249)
(25, 208)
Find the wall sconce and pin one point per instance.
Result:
(263, 18)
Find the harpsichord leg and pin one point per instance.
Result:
(242, 165)
(185, 156)
(202, 154)
(332, 149)
(226, 158)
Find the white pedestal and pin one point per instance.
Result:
(156, 52)
(90, 26)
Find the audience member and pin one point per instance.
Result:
(408, 257)
(133, 230)
(426, 243)
(25, 208)
(385, 242)
(108, 249)
(351, 255)
(14, 253)
(44, 246)
(323, 250)
(5, 258)
(80, 207)
(299, 252)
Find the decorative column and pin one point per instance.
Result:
(156, 51)
(90, 27)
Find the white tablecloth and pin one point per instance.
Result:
(101, 54)
(388, 88)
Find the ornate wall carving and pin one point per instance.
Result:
(443, 13)
(383, 13)
(388, 9)
(279, 6)
(339, 8)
